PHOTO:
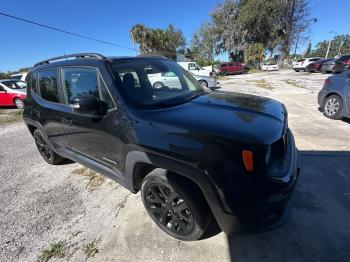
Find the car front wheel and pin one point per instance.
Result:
(19, 103)
(179, 211)
(333, 107)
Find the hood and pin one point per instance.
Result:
(229, 115)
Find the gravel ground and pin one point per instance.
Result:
(97, 220)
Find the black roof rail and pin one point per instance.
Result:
(76, 56)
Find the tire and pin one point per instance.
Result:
(244, 71)
(333, 107)
(296, 70)
(45, 149)
(158, 85)
(177, 208)
(18, 103)
(203, 83)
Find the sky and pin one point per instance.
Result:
(24, 44)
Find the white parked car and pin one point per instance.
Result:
(206, 77)
(301, 64)
(169, 79)
(20, 76)
(270, 67)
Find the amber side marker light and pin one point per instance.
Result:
(248, 160)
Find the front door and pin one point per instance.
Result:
(92, 135)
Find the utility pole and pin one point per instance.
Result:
(330, 42)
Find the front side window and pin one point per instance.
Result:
(155, 82)
(48, 85)
(80, 82)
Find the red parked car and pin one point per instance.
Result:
(12, 94)
(316, 66)
(233, 68)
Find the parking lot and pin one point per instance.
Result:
(94, 218)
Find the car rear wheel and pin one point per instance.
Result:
(45, 149)
(296, 70)
(333, 107)
(19, 103)
(203, 83)
(178, 209)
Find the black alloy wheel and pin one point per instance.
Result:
(169, 209)
(45, 150)
(178, 210)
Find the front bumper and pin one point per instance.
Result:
(273, 210)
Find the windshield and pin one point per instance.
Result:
(155, 82)
(13, 84)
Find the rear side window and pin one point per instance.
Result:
(85, 81)
(48, 85)
(31, 82)
(344, 58)
(314, 59)
(301, 60)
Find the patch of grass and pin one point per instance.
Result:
(95, 180)
(90, 249)
(262, 83)
(9, 117)
(294, 83)
(55, 250)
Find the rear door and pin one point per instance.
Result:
(90, 135)
(49, 106)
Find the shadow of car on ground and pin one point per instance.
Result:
(319, 228)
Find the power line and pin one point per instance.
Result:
(66, 32)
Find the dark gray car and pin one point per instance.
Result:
(334, 97)
(328, 66)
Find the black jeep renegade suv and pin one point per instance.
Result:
(197, 156)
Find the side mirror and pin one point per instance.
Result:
(86, 104)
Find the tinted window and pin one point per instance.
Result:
(84, 81)
(1, 88)
(33, 83)
(105, 95)
(141, 81)
(314, 59)
(79, 82)
(301, 60)
(48, 85)
(344, 58)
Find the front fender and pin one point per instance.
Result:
(216, 203)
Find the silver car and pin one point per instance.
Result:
(328, 66)
(334, 97)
